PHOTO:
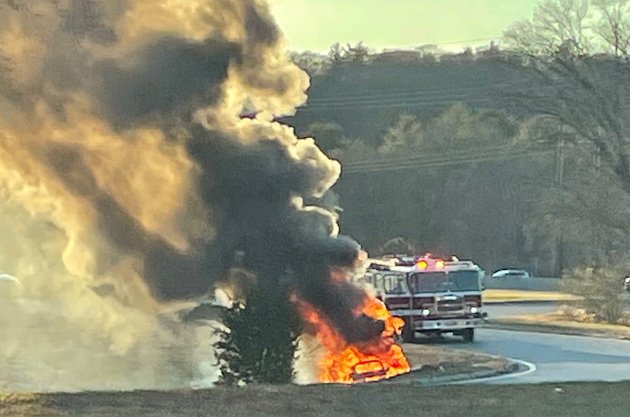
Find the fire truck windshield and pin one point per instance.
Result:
(429, 282)
(465, 280)
(425, 282)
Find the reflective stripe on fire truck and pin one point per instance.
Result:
(406, 312)
(448, 324)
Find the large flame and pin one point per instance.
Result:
(348, 363)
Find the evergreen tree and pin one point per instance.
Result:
(260, 338)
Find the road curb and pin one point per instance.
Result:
(512, 367)
(519, 368)
(448, 379)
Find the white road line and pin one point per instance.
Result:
(530, 369)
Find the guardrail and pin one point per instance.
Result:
(525, 284)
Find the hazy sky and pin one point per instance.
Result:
(316, 24)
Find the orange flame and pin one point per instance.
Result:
(362, 362)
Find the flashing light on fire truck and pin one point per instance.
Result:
(429, 261)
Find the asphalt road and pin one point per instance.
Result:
(557, 358)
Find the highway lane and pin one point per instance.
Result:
(557, 358)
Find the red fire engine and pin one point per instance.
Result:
(433, 295)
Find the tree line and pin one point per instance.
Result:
(536, 177)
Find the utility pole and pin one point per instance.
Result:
(559, 182)
(598, 157)
(560, 156)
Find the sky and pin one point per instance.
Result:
(451, 24)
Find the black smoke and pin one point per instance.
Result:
(250, 187)
(169, 76)
(171, 274)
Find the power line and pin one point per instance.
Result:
(456, 154)
(416, 93)
(416, 100)
(440, 163)
(466, 40)
(409, 103)
(436, 44)
(373, 104)
(444, 163)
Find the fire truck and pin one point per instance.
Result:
(434, 295)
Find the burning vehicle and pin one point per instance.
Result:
(365, 361)
(433, 295)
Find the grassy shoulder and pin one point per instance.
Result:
(559, 323)
(544, 400)
(506, 296)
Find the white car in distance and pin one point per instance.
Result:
(511, 273)
(8, 284)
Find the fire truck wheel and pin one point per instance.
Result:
(408, 333)
(469, 335)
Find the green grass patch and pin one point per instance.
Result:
(544, 400)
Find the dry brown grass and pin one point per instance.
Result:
(421, 355)
(580, 315)
(493, 295)
(544, 400)
(569, 319)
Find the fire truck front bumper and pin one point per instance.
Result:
(448, 324)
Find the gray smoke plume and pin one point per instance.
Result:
(121, 140)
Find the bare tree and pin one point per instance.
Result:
(614, 25)
(337, 53)
(358, 52)
(349, 53)
(577, 53)
(555, 25)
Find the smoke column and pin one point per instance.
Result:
(128, 179)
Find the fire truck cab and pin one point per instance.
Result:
(433, 295)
